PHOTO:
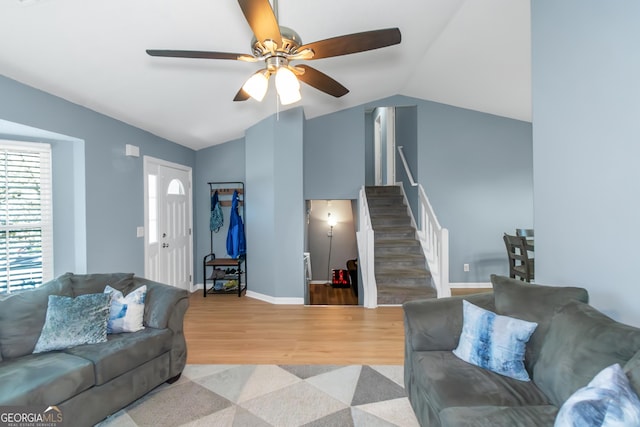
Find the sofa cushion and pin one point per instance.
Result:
(22, 316)
(123, 352)
(95, 283)
(447, 381)
(606, 401)
(534, 303)
(580, 343)
(491, 416)
(44, 379)
(494, 342)
(74, 321)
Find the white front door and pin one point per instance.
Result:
(168, 223)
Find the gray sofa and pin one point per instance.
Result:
(90, 382)
(572, 343)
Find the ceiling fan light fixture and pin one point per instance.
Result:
(290, 97)
(288, 86)
(256, 86)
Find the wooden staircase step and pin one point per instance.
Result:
(400, 266)
(398, 294)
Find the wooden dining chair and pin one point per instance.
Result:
(520, 264)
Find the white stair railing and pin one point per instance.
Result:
(433, 238)
(366, 252)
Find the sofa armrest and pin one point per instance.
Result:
(436, 324)
(160, 304)
(165, 307)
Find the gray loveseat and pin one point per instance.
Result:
(572, 343)
(90, 382)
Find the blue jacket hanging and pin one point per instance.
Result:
(236, 245)
(216, 213)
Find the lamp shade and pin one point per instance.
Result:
(288, 86)
(256, 86)
(332, 221)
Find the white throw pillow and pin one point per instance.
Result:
(126, 313)
(494, 342)
(607, 401)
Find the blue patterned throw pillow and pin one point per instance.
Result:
(607, 401)
(74, 321)
(126, 313)
(494, 342)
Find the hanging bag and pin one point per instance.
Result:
(217, 219)
(236, 245)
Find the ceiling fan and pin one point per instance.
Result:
(277, 46)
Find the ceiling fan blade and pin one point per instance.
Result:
(201, 54)
(353, 43)
(321, 81)
(241, 95)
(262, 20)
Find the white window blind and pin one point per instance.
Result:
(26, 224)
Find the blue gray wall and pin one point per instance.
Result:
(275, 205)
(465, 160)
(224, 162)
(586, 133)
(334, 155)
(476, 169)
(113, 183)
(407, 138)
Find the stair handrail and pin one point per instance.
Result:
(406, 166)
(434, 240)
(366, 252)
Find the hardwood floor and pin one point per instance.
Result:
(467, 291)
(225, 329)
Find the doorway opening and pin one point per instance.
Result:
(384, 146)
(331, 249)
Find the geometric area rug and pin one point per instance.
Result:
(274, 395)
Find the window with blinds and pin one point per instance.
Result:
(26, 225)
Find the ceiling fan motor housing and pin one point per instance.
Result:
(290, 42)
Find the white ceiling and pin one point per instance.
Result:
(468, 53)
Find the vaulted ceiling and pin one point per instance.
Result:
(468, 53)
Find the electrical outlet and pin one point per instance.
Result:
(465, 267)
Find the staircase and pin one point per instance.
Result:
(400, 266)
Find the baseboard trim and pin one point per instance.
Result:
(320, 282)
(275, 300)
(466, 285)
(262, 297)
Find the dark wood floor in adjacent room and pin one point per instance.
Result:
(325, 294)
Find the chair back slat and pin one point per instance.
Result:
(520, 264)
